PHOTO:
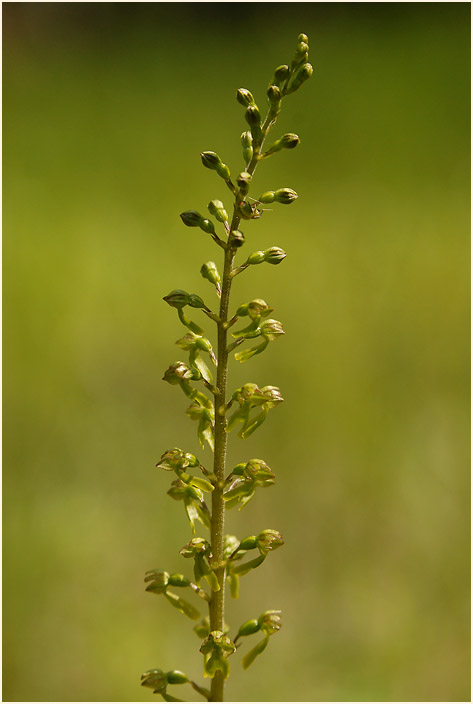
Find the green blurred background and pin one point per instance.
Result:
(106, 108)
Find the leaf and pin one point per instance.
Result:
(183, 606)
(253, 654)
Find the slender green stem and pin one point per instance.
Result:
(217, 602)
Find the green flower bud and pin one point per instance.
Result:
(223, 171)
(176, 677)
(246, 139)
(271, 329)
(281, 74)
(253, 118)
(302, 75)
(239, 470)
(210, 272)
(207, 226)
(217, 210)
(156, 679)
(268, 540)
(303, 38)
(256, 258)
(302, 49)
(248, 543)
(176, 459)
(178, 580)
(247, 144)
(246, 392)
(258, 308)
(180, 372)
(248, 628)
(270, 622)
(244, 97)
(191, 218)
(210, 160)
(301, 56)
(285, 195)
(195, 301)
(243, 182)
(274, 94)
(177, 298)
(274, 255)
(159, 580)
(267, 197)
(196, 546)
(189, 341)
(236, 238)
(289, 140)
(260, 472)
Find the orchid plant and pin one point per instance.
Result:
(220, 560)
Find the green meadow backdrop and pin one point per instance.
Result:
(106, 109)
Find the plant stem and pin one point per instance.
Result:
(216, 607)
(217, 602)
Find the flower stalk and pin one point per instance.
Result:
(221, 560)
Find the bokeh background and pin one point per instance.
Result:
(106, 108)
